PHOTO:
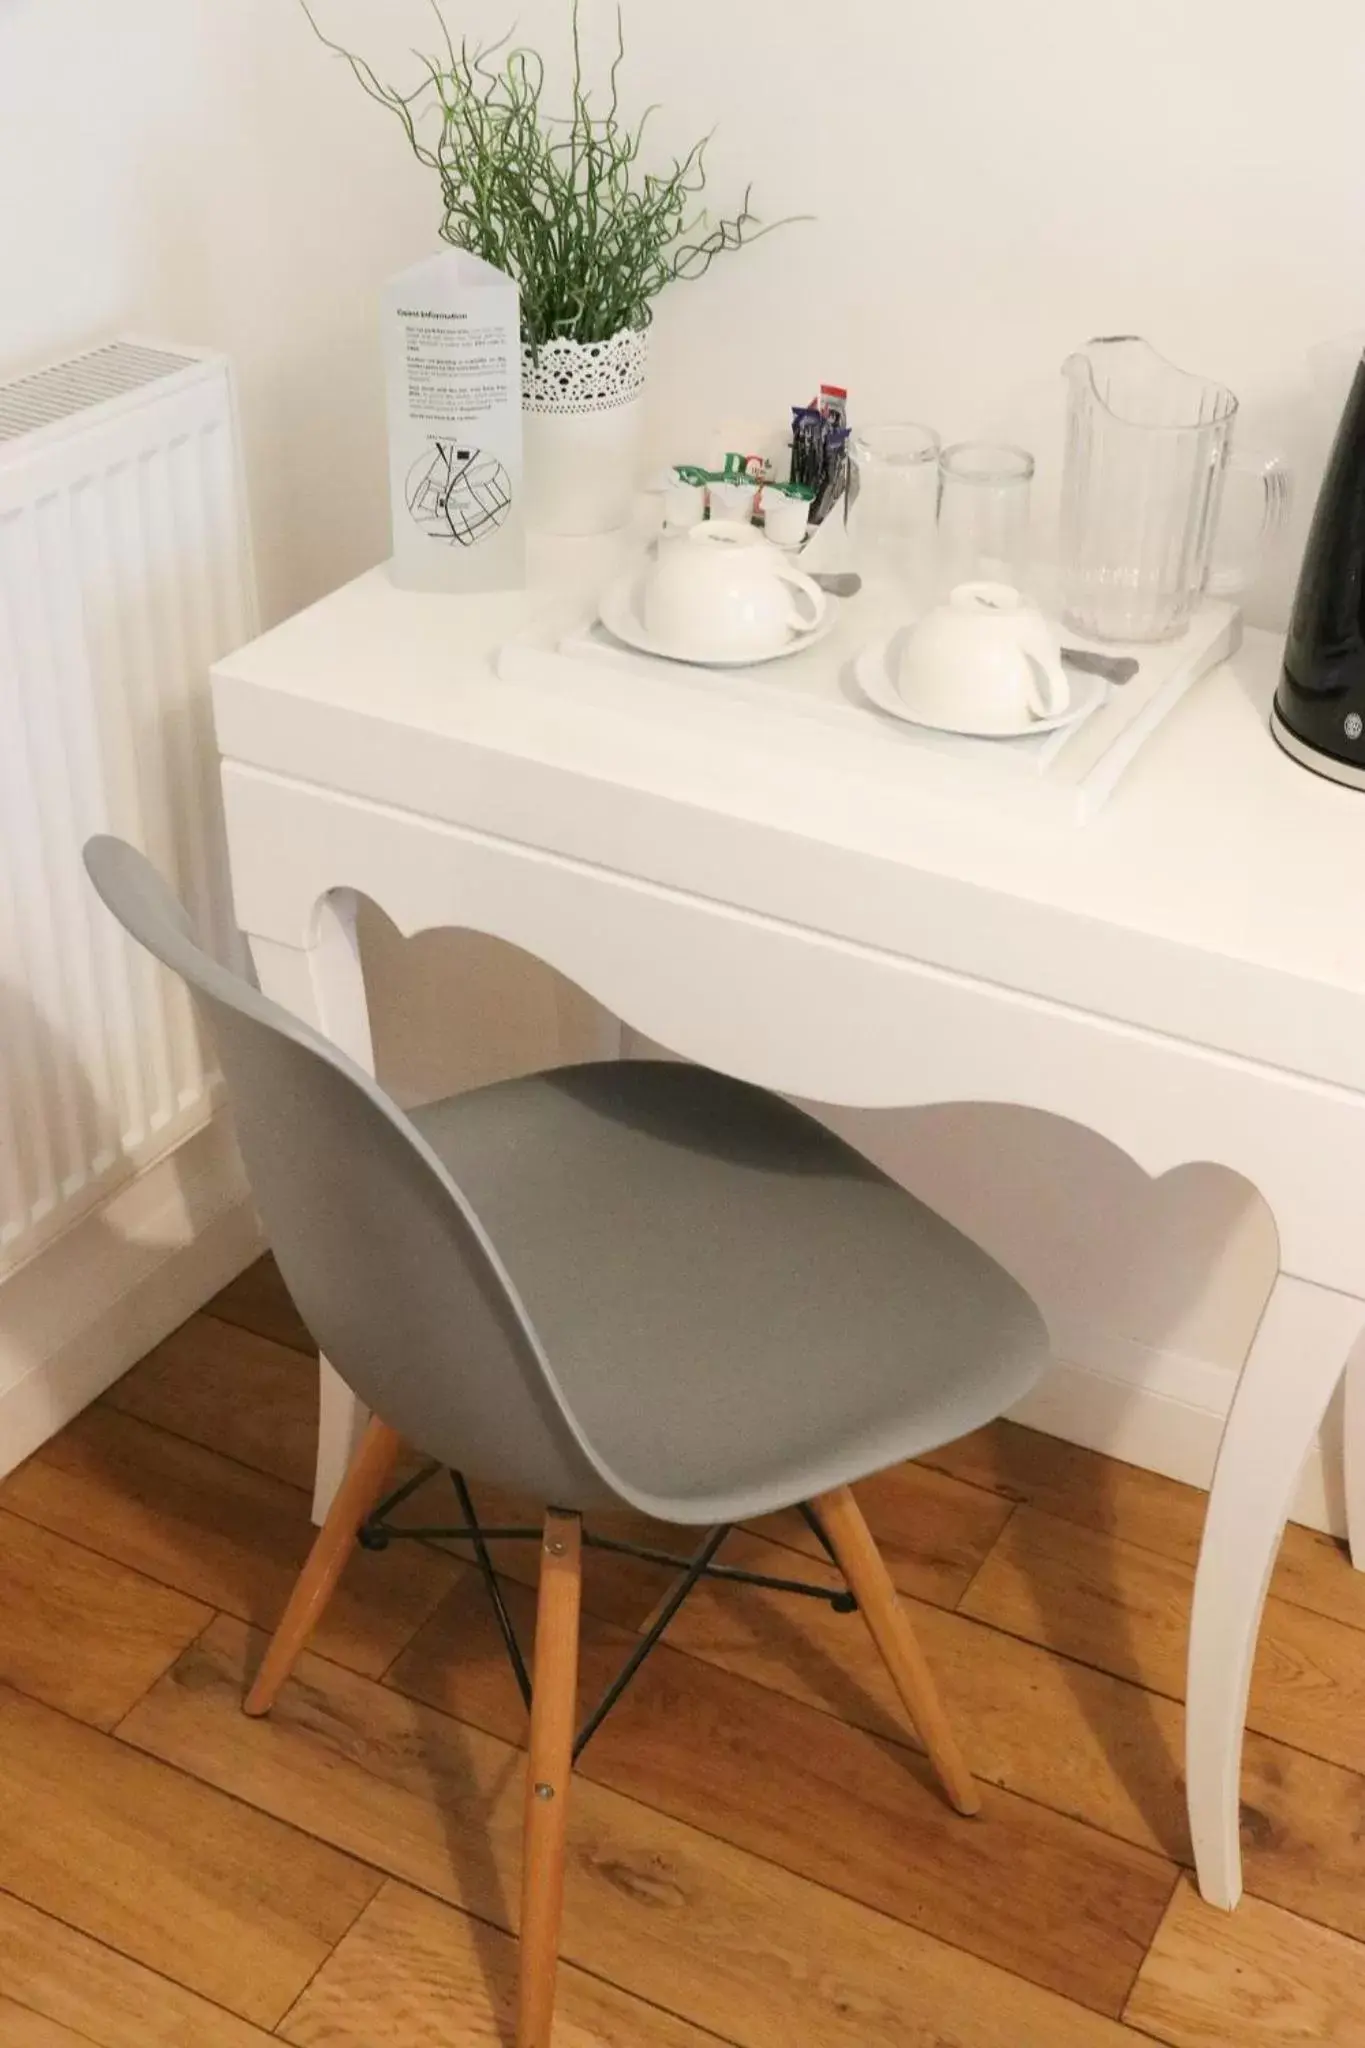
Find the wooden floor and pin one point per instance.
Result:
(757, 1853)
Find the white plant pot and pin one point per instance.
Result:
(582, 420)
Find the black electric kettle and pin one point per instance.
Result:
(1319, 713)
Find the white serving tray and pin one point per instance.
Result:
(1064, 776)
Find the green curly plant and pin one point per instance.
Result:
(559, 202)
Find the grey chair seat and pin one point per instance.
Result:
(739, 1311)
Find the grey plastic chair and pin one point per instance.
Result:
(637, 1283)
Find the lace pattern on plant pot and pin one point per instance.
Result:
(584, 376)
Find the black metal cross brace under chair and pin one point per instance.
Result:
(635, 1284)
(376, 1532)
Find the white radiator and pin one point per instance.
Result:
(125, 569)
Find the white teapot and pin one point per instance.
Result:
(986, 661)
(720, 592)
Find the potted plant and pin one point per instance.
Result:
(562, 203)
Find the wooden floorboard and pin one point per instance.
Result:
(165, 1869)
(81, 1633)
(217, 1531)
(675, 1915)
(1144, 1509)
(758, 1854)
(235, 1392)
(1061, 1733)
(21, 2027)
(1126, 1611)
(1031, 1890)
(102, 1996)
(414, 1973)
(1260, 1977)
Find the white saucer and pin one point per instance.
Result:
(874, 670)
(620, 614)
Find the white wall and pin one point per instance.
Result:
(992, 183)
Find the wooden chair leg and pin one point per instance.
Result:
(861, 1564)
(369, 1473)
(554, 1699)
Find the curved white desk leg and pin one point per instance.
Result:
(322, 983)
(1298, 1355)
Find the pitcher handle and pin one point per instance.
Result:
(1276, 483)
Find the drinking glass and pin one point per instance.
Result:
(983, 513)
(892, 515)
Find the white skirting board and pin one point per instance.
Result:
(1163, 1411)
(122, 1277)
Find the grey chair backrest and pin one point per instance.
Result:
(386, 1259)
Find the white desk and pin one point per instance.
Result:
(1185, 975)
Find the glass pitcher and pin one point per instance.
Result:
(1147, 446)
